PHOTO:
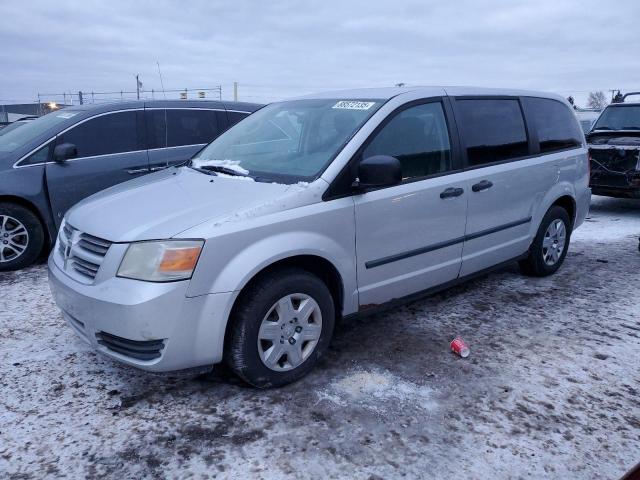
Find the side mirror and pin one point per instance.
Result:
(378, 171)
(64, 151)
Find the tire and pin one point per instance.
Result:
(263, 311)
(545, 255)
(18, 249)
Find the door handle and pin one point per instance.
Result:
(483, 185)
(135, 171)
(451, 192)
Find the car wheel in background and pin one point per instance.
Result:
(280, 328)
(21, 237)
(549, 247)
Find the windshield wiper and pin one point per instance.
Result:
(221, 169)
(601, 128)
(630, 128)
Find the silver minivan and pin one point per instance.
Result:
(315, 209)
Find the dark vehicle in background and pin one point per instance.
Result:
(51, 163)
(614, 147)
(587, 118)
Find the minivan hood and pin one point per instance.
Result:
(163, 204)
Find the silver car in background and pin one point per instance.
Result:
(315, 209)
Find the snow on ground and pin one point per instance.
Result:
(551, 389)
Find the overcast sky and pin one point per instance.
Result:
(281, 48)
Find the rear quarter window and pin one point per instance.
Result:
(555, 124)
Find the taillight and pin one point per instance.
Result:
(589, 162)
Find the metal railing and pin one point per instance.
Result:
(83, 97)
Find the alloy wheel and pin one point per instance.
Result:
(14, 238)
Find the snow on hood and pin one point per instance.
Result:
(164, 204)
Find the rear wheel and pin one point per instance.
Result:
(549, 247)
(21, 237)
(281, 327)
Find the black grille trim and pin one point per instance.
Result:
(138, 349)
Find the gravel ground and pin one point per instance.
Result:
(551, 389)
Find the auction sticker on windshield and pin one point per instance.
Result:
(354, 105)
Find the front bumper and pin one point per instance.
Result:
(615, 187)
(152, 326)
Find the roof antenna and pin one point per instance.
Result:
(161, 82)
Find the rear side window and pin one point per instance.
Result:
(191, 127)
(235, 117)
(493, 130)
(156, 128)
(105, 135)
(418, 138)
(554, 123)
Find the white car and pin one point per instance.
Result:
(312, 209)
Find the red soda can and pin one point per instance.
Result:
(459, 347)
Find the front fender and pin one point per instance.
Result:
(325, 230)
(25, 185)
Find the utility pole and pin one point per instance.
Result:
(138, 87)
(235, 91)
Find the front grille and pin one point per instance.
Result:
(82, 253)
(614, 160)
(138, 349)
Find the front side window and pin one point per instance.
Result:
(105, 135)
(418, 138)
(19, 137)
(289, 141)
(619, 117)
(493, 130)
(555, 124)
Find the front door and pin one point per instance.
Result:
(110, 151)
(409, 237)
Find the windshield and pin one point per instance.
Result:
(623, 117)
(586, 125)
(17, 137)
(11, 127)
(289, 141)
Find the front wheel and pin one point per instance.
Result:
(550, 245)
(280, 328)
(21, 237)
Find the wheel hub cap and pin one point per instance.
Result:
(15, 238)
(289, 332)
(554, 242)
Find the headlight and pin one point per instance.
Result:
(161, 261)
